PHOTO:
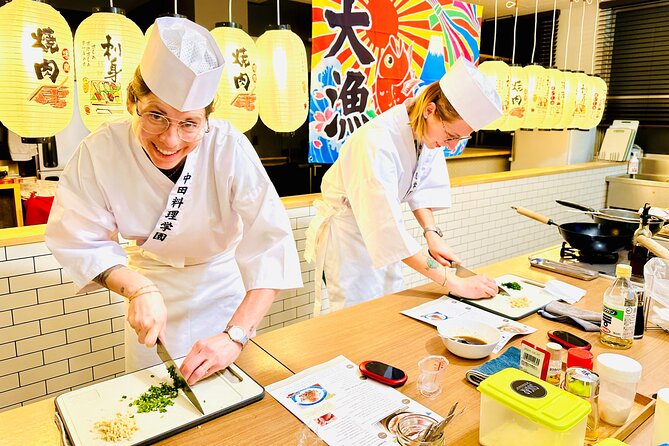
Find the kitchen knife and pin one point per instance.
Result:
(177, 376)
(461, 271)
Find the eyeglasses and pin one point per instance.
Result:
(155, 124)
(454, 138)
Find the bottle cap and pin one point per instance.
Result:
(623, 270)
(581, 382)
(619, 368)
(554, 349)
(578, 357)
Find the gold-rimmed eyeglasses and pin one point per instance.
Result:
(454, 138)
(155, 124)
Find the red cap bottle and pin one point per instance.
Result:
(578, 357)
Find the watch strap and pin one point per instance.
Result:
(432, 229)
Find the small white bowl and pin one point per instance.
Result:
(458, 327)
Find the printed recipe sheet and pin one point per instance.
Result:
(343, 407)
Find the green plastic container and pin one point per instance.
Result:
(518, 408)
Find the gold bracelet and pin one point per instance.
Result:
(445, 276)
(139, 290)
(136, 295)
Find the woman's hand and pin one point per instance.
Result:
(440, 251)
(208, 356)
(147, 315)
(474, 287)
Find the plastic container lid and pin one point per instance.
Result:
(536, 400)
(623, 270)
(618, 368)
(579, 357)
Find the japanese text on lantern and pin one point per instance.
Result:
(48, 69)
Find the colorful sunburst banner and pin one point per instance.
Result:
(369, 55)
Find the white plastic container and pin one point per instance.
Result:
(619, 376)
(518, 408)
(661, 418)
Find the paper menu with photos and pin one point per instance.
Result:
(446, 307)
(343, 407)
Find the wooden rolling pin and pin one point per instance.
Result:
(653, 246)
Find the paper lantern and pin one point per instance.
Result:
(555, 81)
(109, 47)
(237, 90)
(283, 98)
(498, 71)
(569, 103)
(596, 102)
(582, 96)
(515, 115)
(537, 96)
(36, 69)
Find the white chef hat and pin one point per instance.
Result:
(182, 64)
(471, 94)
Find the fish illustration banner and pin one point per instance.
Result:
(369, 55)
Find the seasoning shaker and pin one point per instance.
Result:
(585, 384)
(554, 363)
(579, 357)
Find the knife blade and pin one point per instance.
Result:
(461, 271)
(169, 363)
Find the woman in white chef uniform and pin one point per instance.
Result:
(214, 241)
(358, 235)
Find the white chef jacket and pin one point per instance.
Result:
(219, 231)
(358, 234)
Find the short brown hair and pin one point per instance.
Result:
(444, 110)
(137, 89)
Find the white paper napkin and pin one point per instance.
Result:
(564, 291)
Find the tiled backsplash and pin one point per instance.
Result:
(53, 340)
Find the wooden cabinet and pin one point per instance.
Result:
(11, 212)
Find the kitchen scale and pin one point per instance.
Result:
(218, 394)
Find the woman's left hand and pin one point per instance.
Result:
(208, 356)
(440, 251)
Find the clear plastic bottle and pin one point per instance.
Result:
(633, 165)
(619, 311)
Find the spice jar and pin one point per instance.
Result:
(585, 384)
(554, 363)
(578, 357)
(412, 427)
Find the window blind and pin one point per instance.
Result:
(632, 56)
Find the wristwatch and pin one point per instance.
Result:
(237, 334)
(433, 229)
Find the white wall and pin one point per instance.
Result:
(579, 41)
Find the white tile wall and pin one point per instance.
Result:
(60, 340)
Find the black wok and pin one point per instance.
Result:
(622, 219)
(591, 238)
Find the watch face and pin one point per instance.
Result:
(236, 333)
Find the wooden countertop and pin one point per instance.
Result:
(264, 422)
(34, 234)
(372, 330)
(376, 330)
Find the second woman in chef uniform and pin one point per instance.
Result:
(214, 241)
(358, 235)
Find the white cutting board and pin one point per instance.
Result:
(616, 143)
(81, 409)
(502, 305)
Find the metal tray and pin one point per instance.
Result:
(563, 268)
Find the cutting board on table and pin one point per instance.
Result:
(519, 303)
(219, 394)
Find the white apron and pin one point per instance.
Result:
(200, 300)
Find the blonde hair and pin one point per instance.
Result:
(444, 111)
(137, 89)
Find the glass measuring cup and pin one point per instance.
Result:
(431, 372)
